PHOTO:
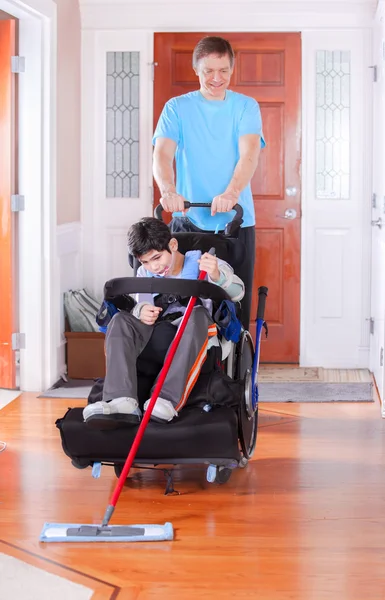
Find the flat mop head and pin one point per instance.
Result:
(73, 532)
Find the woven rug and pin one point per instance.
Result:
(316, 392)
(282, 374)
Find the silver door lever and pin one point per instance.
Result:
(290, 214)
(377, 223)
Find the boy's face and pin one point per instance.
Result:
(160, 262)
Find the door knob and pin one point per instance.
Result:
(290, 214)
(377, 223)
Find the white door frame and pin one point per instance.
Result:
(38, 313)
(377, 339)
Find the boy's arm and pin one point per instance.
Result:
(219, 272)
(230, 282)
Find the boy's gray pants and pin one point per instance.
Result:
(127, 337)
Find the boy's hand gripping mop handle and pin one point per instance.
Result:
(158, 387)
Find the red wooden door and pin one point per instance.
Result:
(7, 177)
(268, 68)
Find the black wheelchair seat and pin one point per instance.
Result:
(195, 436)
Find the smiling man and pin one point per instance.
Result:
(215, 136)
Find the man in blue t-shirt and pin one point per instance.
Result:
(215, 136)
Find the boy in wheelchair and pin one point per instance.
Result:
(136, 338)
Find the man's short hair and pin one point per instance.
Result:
(212, 45)
(146, 235)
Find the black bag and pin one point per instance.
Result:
(217, 389)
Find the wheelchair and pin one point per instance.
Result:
(219, 435)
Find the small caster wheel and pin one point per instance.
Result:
(217, 474)
(243, 463)
(79, 465)
(223, 475)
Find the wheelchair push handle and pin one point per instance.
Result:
(262, 295)
(237, 217)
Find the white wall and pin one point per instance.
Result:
(69, 269)
(69, 242)
(68, 111)
(226, 15)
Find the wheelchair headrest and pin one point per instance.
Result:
(228, 249)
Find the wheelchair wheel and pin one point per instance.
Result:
(247, 417)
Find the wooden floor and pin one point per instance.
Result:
(304, 521)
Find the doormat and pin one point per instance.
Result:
(316, 392)
(73, 388)
(275, 374)
(21, 580)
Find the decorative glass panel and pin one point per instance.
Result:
(333, 124)
(122, 125)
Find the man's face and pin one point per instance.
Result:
(214, 74)
(159, 262)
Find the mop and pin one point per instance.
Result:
(75, 532)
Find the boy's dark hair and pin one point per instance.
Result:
(212, 45)
(146, 235)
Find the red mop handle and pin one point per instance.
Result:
(147, 414)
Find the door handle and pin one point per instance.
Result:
(377, 223)
(290, 214)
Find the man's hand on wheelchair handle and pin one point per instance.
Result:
(224, 202)
(173, 202)
(149, 314)
(209, 263)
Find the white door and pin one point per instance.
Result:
(335, 288)
(377, 341)
(116, 148)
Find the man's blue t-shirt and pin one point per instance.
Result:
(207, 133)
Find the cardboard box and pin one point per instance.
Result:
(85, 354)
